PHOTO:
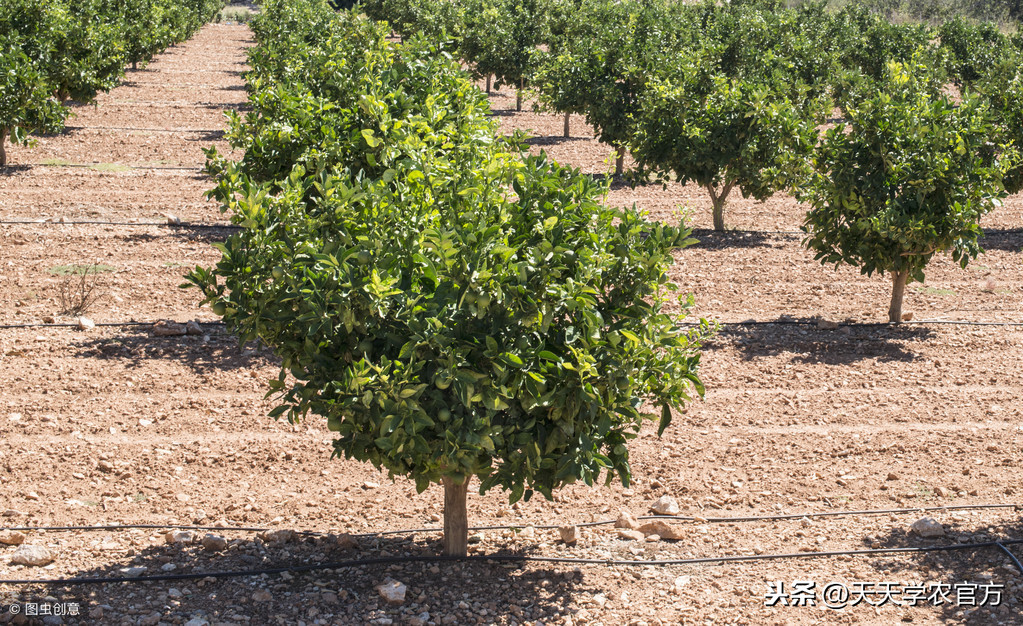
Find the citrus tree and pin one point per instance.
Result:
(697, 125)
(26, 104)
(453, 309)
(909, 176)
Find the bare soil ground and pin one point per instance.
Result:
(114, 425)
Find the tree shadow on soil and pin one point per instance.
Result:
(552, 140)
(136, 345)
(809, 344)
(198, 234)
(967, 570)
(1005, 239)
(336, 588)
(708, 239)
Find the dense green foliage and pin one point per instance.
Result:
(62, 50)
(909, 176)
(452, 307)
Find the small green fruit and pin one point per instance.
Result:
(277, 272)
(219, 308)
(444, 415)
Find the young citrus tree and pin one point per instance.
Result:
(724, 133)
(1002, 87)
(908, 177)
(454, 311)
(26, 104)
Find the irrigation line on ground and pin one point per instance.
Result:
(148, 130)
(1012, 556)
(411, 531)
(512, 558)
(726, 325)
(168, 224)
(133, 167)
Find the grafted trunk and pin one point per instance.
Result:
(488, 84)
(134, 65)
(456, 518)
(518, 94)
(3, 147)
(567, 116)
(898, 290)
(620, 162)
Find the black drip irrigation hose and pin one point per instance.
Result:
(169, 224)
(119, 165)
(512, 558)
(148, 130)
(106, 324)
(1015, 561)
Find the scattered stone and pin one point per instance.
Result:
(681, 582)
(892, 476)
(214, 543)
(84, 323)
(31, 495)
(665, 505)
(193, 328)
(262, 595)
(168, 567)
(569, 534)
(474, 539)
(528, 532)
(928, 527)
(12, 537)
(941, 492)
(133, 572)
(419, 620)
(180, 537)
(53, 620)
(908, 316)
(626, 520)
(662, 529)
(105, 466)
(172, 219)
(823, 324)
(281, 535)
(33, 556)
(630, 534)
(49, 319)
(166, 328)
(196, 621)
(392, 591)
(14, 513)
(175, 593)
(370, 485)
(347, 542)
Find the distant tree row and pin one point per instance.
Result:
(731, 97)
(60, 50)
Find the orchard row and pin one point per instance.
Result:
(731, 96)
(60, 50)
(455, 308)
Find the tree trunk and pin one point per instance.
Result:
(620, 162)
(3, 148)
(456, 518)
(518, 94)
(898, 290)
(718, 200)
(567, 115)
(134, 65)
(488, 84)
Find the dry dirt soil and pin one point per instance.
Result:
(114, 425)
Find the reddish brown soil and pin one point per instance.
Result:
(115, 425)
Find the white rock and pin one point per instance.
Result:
(14, 512)
(33, 556)
(214, 543)
(85, 323)
(928, 527)
(175, 593)
(165, 328)
(630, 534)
(180, 537)
(282, 535)
(168, 567)
(133, 572)
(569, 534)
(12, 537)
(392, 591)
(681, 582)
(627, 520)
(193, 328)
(662, 529)
(665, 505)
(196, 621)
